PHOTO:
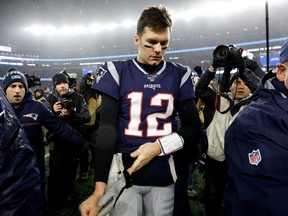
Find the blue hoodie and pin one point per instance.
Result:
(20, 191)
(256, 149)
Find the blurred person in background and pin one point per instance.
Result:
(141, 99)
(46, 91)
(256, 149)
(39, 95)
(70, 107)
(226, 106)
(33, 115)
(20, 182)
(90, 129)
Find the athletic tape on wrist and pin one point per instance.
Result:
(170, 143)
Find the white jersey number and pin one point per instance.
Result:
(136, 99)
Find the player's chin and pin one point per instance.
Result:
(154, 62)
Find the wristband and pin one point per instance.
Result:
(170, 143)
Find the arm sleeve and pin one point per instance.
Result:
(203, 90)
(60, 128)
(190, 121)
(225, 80)
(106, 141)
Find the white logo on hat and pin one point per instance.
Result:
(16, 76)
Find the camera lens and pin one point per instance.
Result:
(222, 53)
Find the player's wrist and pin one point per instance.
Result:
(170, 143)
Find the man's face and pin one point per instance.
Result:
(15, 93)
(282, 73)
(62, 88)
(152, 46)
(38, 95)
(239, 90)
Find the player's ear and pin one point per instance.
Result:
(136, 40)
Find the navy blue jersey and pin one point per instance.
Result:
(147, 101)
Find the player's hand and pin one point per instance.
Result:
(145, 153)
(114, 191)
(90, 206)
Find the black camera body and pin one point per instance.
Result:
(67, 104)
(228, 56)
(33, 80)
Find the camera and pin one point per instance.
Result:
(67, 104)
(33, 80)
(228, 56)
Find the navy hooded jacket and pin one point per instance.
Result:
(20, 191)
(256, 149)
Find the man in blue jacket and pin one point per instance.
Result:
(256, 149)
(33, 115)
(20, 191)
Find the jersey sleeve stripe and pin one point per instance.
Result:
(112, 69)
(186, 76)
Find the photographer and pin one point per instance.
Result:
(71, 107)
(226, 105)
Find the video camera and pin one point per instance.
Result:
(33, 80)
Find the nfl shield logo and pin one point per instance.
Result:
(255, 157)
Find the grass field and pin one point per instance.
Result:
(83, 188)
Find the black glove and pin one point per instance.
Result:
(250, 79)
(198, 70)
(251, 64)
(215, 64)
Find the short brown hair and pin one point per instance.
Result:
(156, 18)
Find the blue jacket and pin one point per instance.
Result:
(32, 116)
(20, 192)
(256, 149)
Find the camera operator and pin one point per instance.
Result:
(71, 107)
(226, 105)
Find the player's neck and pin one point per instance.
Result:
(149, 68)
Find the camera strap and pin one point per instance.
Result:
(218, 95)
(218, 98)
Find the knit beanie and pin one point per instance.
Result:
(59, 78)
(14, 76)
(284, 52)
